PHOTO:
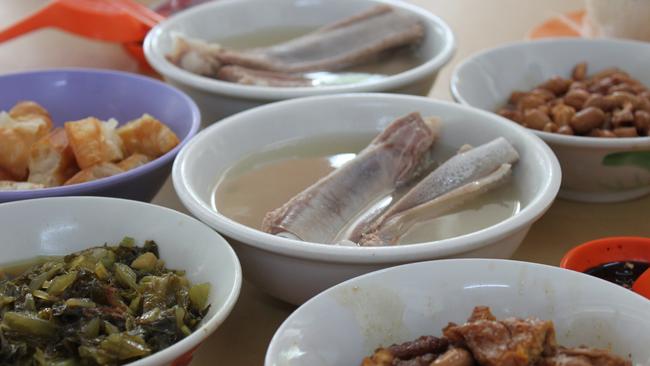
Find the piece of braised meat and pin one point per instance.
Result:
(583, 356)
(420, 352)
(507, 342)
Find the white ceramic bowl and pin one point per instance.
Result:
(60, 226)
(228, 18)
(349, 321)
(486, 80)
(293, 270)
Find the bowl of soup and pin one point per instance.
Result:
(299, 187)
(297, 49)
(133, 283)
(385, 311)
(588, 99)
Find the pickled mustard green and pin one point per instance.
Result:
(107, 305)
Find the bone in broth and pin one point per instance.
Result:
(266, 180)
(398, 61)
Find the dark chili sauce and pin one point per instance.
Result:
(620, 273)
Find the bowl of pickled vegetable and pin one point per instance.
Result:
(103, 281)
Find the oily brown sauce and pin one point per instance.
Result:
(389, 64)
(266, 180)
(621, 273)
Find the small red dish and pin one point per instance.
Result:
(607, 250)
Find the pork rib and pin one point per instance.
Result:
(358, 39)
(246, 76)
(465, 176)
(348, 42)
(320, 212)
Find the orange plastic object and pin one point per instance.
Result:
(120, 21)
(566, 25)
(642, 284)
(607, 250)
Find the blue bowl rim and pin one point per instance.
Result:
(102, 183)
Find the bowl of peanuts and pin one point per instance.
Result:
(588, 99)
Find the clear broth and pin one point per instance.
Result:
(267, 179)
(391, 64)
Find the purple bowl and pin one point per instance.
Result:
(74, 94)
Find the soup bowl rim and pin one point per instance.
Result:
(348, 254)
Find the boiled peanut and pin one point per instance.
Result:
(598, 132)
(576, 98)
(587, 119)
(516, 96)
(530, 101)
(552, 103)
(607, 125)
(543, 93)
(511, 114)
(644, 104)
(621, 78)
(624, 87)
(606, 73)
(638, 88)
(565, 130)
(600, 102)
(579, 71)
(578, 85)
(601, 86)
(562, 114)
(536, 119)
(550, 127)
(544, 109)
(642, 120)
(607, 133)
(620, 98)
(624, 116)
(625, 132)
(556, 85)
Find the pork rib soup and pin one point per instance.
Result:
(403, 186)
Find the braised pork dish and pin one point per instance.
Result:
(486, 341)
